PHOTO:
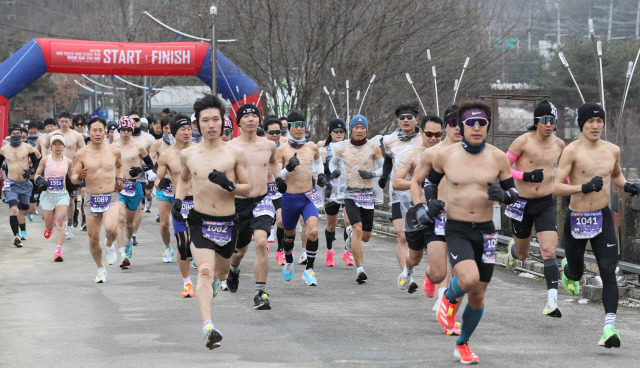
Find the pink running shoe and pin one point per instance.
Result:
(47, 233)
(348, 258)
(280, 258)
(429, 287)
(328, 260)
(57, 257)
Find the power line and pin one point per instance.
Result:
(38, 32)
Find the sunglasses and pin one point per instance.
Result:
(406, 117)
(452, 123)
(338, 131)
(471, 122)
(548, 120)
(137, 120)
(227, 131)
(297, 124)
(431, 134)
(273, 132)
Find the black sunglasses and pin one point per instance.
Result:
(406, 117)
(452, 122)
(272, 132)
(136, 119)
(338, 131)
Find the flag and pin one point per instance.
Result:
(95, 113)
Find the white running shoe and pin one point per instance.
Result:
(223, 286)
(101, 277)
(112, 256)
(68, 232)
(303, 258)
(167, 256)
(272, 235)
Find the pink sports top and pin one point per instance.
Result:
(56, 169)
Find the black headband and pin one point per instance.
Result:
(179, 124)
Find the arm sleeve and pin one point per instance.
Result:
(1, 159)
(148, 161)
(283, 172)
(387, 166)
(333, 164)
(378, 166)
(34, 159)
(512, 159)
(509, 186)
(317, 166)
(431, 187)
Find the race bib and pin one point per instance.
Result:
(218, 232)
(516, 209)
(129, 189)
(55, 185)
(265, 207)
(362, 199)
(186, 207)
(314, 197)
(100, 202)
(440, 221)
(272, 191)
(586, 225)
(168, 192)
(6, 185)
(489, 248)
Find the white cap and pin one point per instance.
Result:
(193, 117)
(57, 137)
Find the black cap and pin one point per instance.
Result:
(295, 115)
(337, 123)
(544, 108)
(589, 110)
(247, 109)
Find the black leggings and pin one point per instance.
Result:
(605, 248)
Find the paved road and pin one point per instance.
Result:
(52, 314)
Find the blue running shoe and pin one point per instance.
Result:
(287, 271)
(31, 217)
(127, 250)
(23, 235)
(310, 277)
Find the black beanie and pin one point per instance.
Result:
(49, 121)
(544, 108)
(247, 109)
(336, 123)
(587, 111)
(295, 115)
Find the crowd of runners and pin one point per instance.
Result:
(219, 194)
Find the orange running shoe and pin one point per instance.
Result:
(47, 233)
(187, 291)
(455, 331)
(446, 314)
(348, 258)
(466, 356)
(58, 256)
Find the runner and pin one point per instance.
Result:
(51, 174)
(164, 196)
(255, 212)
(146, 140)
(301, 162)
(362, 162)
(211, 218)
(396, 145)
(432, 129)
(112, 132)
(273, 132)
(49, 126)
(135, 161)
(472, 168)
(16, 186)
(227, 129)
(169, 170)
(100, 166)
(79, 124)
(536, 154)
(591, 165)
(337, 131)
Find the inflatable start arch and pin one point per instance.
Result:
(45, 55)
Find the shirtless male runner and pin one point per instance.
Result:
(17, 187)
(215, 183)
(165, 195)
(256, 213)
(273, 130)
(301, 161)
(169, 170)
(146, 140)
(591, 165)
(362, 162)
(99, 164)
(535, 155)
(472, 168)
(49, 126)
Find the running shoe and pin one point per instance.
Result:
(610, 338)
(47, 233)
(361, 277)
(446, 313)
(437, 303)
(347, 257)
(124, 262)
(413, 287)
(233, 279)
(167, 256)
(101, 277)
(464, 353)
(134, 241)
(551, 309)
(57, 257)
(187, 291)
(76, 212)
(280, 258)
(509, 260)
(17, 242)
(403, 281)
(429, 287)
(347, 245)
(272, 236)
(158, 218)
(261, 301)
(571, 287)
(68, 232)
(212, 337)
(287, 271)
(112, 256)
(215, 285)
(193, 263)
(31, 217)
(328, 259)
(128, 250)
(454, 331)
(303, 258)
(147, 204)
(83, 226)
(223, 286)
(310, 277)
(23, 235)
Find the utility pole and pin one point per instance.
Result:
(638, 21)
(610, 20)
(558, 15)
(214, 88)
(529, 32)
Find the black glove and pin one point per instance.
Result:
(632, 188)
(382, 182)
(436, 207)
(221, 179)
(535, 176)
(422, 216)
(164, 183)
(366, 174)
(175, 210)
(336, 174)
(281, 184)
(29, 173)
(146, 167)
(41, 183)
(594, 185)
(135, 171)
(322, 180)
(293, 162)
(496, 193)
